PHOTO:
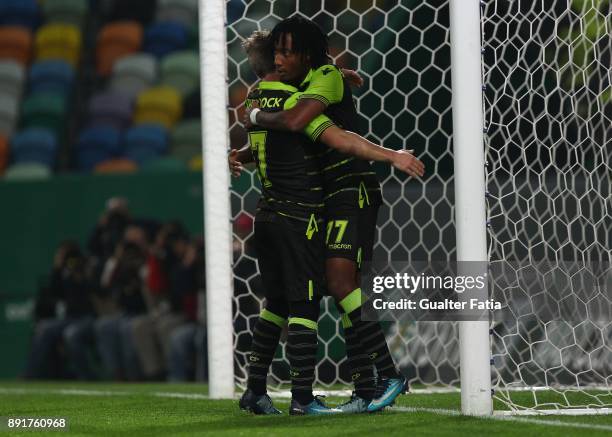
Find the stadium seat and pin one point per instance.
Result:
(9, 113)
(186, 141)
(133, 10)
(161, 105)
(59, 41)
(65, 11)
(15, 43)
(97, 144)
(34, 145)
(111, 109)
(51, 76)
(4, 153)
(133, 74)
(46, 110)
(116, 40)
(27, 171)
(119, 165)
(145, 142)
(19, 13)
(12, 77)
(181, 70)
(195, 163)
(182, 11)
(165, 163)
(164, 38)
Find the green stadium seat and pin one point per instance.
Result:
(133, 74)
(27, 171)
(186, 140)
(65, 11)
(181, 70)
(12, 77)
(44, 109)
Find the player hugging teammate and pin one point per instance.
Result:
(316, 220)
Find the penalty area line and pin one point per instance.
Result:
(528, 420)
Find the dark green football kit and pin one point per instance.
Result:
(289, 224)
(352, 194)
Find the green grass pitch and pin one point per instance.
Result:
(106, 409)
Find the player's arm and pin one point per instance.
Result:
(353, 144)
(326, 88)
(237, 158)
(324, 130)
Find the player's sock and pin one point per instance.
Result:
(302, 350)
(371, 336)
(263, 346)
(362, 372)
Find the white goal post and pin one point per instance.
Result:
(470, 215)
(215, 179)
(509, 104)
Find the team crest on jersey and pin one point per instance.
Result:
(312, 227)
(363, 195)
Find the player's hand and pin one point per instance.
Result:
(405, 161)
(353, 78)
(235, 166)
(246, 118)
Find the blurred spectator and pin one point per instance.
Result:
(175, 275)
(107, 234)
(122, 280)
(145, 296)
(65, 316)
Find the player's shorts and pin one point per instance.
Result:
(351, 236)
(291, 256)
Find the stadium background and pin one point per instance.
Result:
(159, 170)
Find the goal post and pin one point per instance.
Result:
(470, 208)
(215, 174)
(515, 139)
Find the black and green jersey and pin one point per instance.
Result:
(291, 180)
(350, 183)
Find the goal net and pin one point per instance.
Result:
(548, 116)
(548, 110)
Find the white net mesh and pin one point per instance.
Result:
(547, 112)
(402, 49)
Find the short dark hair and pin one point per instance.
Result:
(308, 38)
(260, 51)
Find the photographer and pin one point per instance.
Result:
(122, 281)
(64, 311)
(173, 281)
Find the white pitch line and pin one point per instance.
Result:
(81, 392)
(63, 391)
(508, 418)
(163, 394)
